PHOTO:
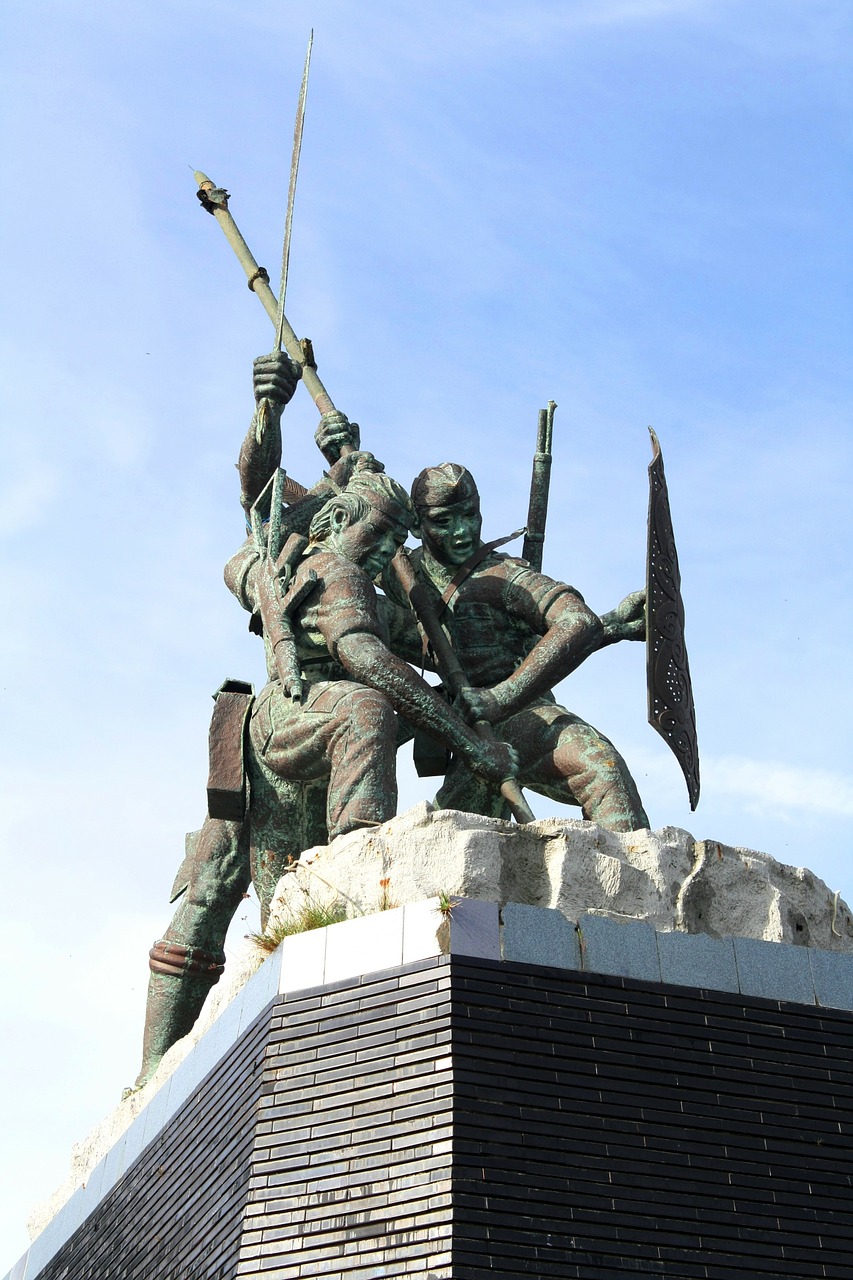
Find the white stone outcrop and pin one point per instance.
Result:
(664, 877)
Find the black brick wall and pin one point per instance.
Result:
(176, 1214)
(605, 1127)
(459, 1119)
(352, 1160)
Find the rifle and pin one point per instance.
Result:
(276, 603)
(540, 482)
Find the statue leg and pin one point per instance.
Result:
(286, 817)
(568, 760)
(343, 734)
(188, 960)
(362, 751)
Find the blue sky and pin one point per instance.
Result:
(638, 208)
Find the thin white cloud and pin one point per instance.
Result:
(25, 498)
(547, 19)
(772, 786)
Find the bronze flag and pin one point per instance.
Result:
(671, 709)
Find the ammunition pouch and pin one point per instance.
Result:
(226, 783)
(431, 757)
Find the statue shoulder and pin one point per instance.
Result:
(237, 572)
(533, 585)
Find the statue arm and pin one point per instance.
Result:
(369, 662)
(627, 621)
(572, 633)
(274, 379)
(260, 454)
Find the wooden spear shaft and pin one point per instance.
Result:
(215, 200)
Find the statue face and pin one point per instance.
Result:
(370, 542)
(451, 534)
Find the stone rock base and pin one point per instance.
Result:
(666, 878)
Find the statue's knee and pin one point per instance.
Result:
(372, 712)
(220, 869)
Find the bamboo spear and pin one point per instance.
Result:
(215, 200)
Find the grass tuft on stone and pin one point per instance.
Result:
(313, 915)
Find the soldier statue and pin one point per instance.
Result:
(334, 733)
(517, 633)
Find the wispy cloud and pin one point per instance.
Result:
(544, 19)
(26, 496)
(770, 786)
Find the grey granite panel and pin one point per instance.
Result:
(134, 1139)
(113, 1164)
(774, 970)
(697, 960)
(628, 950)
(539, 935)
(158, 1112)
(302, 960)
(832, 974)
(56, 1233)
(364, 945)
(475, 929)
(261, 989)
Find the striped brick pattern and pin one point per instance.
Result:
(352, 1161)
(605, 1128)
(457, 1119)
(177, 1212)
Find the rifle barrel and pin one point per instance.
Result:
(540, 483)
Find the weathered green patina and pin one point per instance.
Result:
(518, 633)
(313, 755)
(323, 734)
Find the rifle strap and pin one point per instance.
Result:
(466, 569)
(463, 572)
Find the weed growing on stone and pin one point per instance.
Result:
(312, 915)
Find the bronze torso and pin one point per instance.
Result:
(496, 615)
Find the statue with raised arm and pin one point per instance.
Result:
(318, 753)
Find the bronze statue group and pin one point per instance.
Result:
(329, 588)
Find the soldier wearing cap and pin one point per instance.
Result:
(518, 633)
(320, 764)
